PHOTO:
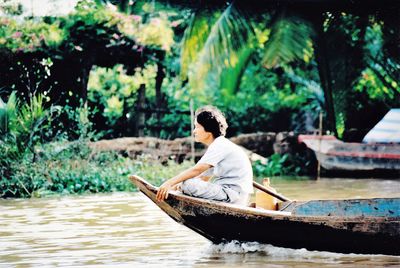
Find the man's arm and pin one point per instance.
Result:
(192, 172)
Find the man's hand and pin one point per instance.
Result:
(189, 173)
(162, 192)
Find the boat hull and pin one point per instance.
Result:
(220, 222)
(334, 154)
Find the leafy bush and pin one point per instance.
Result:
(113, 92)
(40, 33)
(24, 125)
(277, 165)
(72, 168)
(29, 35)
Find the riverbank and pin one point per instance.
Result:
(272, 154)
(81, 166)
(74, 168)
(263, 144)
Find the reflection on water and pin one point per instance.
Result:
(126, 230)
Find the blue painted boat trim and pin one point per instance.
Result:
(377, 207)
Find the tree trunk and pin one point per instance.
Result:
(325, 73)
(84, 83)
(159, 96)
(140, 114)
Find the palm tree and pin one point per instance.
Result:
(222, 37)
(227, 50)
(283, 35)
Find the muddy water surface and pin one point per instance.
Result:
(127, 230)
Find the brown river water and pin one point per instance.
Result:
(128, 230)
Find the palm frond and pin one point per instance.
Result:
(195, 37)
(290, 39)
(31, 113)
(230, 77)
(229, 44)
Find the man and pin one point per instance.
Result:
(227, 163)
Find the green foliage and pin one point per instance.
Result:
(113, 93)
(10, 7)
(220, 55)
(224, 55)
(173, 124)
(266, 98)
(377, 84)
(277, 165)
(31, 167)
(24, 125)
(111, 89)
(310, 91)
(78, 122)
(103, 23)
(8, 114)
(224, 66)
(195, 37)
(364, 78)
(72, 168)
(176, 122)
(227, 49)
(271, 89)
(236, 85)
(29, 35)
(354, 42)
(231, 76)
(290, 39)
(340, 127)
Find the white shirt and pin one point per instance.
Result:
(231, 164)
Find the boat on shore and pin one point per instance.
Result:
(363, 226)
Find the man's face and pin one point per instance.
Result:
(200, 134)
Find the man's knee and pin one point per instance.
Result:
(190, 186)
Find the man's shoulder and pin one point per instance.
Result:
(222, 142)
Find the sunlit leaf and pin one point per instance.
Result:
(229, 45)
(290, 40)
(195, 37)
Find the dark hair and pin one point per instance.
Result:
(212, 119)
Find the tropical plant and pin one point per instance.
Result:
(8, 114)
(22, 127)
(24, 124)
(233, 40)
(277, 165)
(65, 167)
(223, 49)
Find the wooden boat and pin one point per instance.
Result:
(334, 154)
(368, 226)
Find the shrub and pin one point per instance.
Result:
(32, 166)
(72, 168)
(277, 165)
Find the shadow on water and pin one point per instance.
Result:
(127, 230)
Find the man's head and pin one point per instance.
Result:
(212, 120)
